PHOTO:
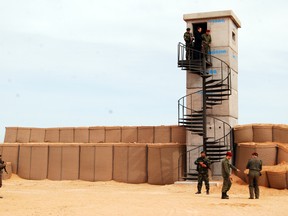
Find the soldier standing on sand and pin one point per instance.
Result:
(226, 174)
(2, 166)
(206, 41)
(188, 38)
(203, 165)
(255, 166)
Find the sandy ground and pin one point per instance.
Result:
(27, 197)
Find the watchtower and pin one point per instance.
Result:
(210, 107)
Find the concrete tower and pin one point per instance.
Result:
(223, 26)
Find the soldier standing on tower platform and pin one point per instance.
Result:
(226, 174)
(203, 166)
(188, 38)
(206, 41)
(255, 166)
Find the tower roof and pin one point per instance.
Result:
(213, 15)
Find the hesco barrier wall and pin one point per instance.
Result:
(118, 153)
(270, 141)
(99, 134)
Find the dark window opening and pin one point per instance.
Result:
(202, 25)
(234, 36)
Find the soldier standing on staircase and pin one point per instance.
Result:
(226, 174)
(198, 43)
(203, 166)
(206, 41)
(255, 166)
(188, 37)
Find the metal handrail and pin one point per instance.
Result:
(223, 83)
(181, 156)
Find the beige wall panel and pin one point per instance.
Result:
(10, 135)
(96, 134)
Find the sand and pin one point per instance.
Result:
(28, 197)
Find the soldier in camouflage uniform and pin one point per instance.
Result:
(188, 38)
(227, 179)
(206, 41)
(2, 166)
(203, 165)
(255, 166)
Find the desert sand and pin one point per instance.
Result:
(46, 197)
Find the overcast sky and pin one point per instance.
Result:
(113, 62)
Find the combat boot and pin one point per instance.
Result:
(224, 196)
(198, 192)
(251, 192)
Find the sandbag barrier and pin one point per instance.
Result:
(99, 134)
(123, 162)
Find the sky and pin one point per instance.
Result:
(91, 62)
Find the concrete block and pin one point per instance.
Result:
(112, 134)
(194, 99)
(193, 80)
(96, 134)
(81, 135)
(129, 134)
(228, 107)
(10, 135)
(233, 36)
(219, 31)
(145, 134)
(23, 135)
(67, 135)
(162, 134)
(226, 54)
(193, 139)
(37, 135)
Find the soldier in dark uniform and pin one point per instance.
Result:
(188, 38)
(203, 165)
(226, 174)
(198, 43)
(206, 41)
(255, 166)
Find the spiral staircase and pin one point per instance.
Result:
(195, 110)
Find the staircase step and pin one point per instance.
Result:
(216, 85)
(213, 103)
(217, 90)
(212, 81)
(216, 99)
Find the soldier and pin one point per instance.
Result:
(255, 166)
(206, 41)
(2, 166)
(198, 43)
(188, 38)
(227, 179)
(203, 165)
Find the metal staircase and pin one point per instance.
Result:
(195, 110)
